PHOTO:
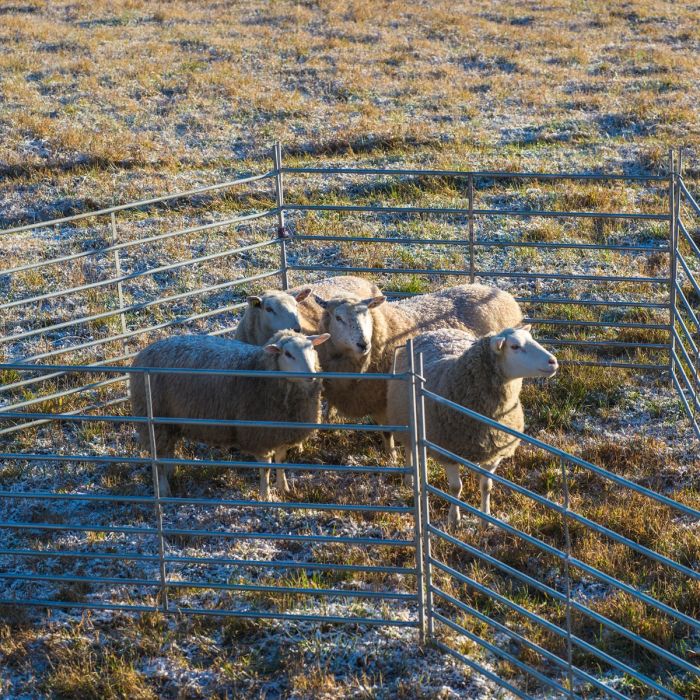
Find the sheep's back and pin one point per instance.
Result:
(472, 307)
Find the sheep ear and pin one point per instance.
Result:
(273, 349)
(321, 302)
(498, 343)
(300, 296)
(374, 301)
(254, 301)
(525, 327)
(318, 339)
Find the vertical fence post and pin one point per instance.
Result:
(417, 514)
(281, 228)
(673, 262)
(422, 468)
(567, 544)
(118, 268)
(470, 192)
(156, 492)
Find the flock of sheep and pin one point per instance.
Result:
(476, 353)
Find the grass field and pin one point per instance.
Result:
(103, 103)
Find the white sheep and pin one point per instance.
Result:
(483, 374)
(221, 397)
(269, 313)
(296, 310)
(365, 332)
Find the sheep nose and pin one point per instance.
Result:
(362, 346)
(553, 361)
(297, 329)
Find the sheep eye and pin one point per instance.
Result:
(515, 347)
(289, 355)
(340, 320)
(269, 310)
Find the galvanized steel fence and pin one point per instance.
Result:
(423, 582)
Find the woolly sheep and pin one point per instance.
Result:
(311, 312)
(483, 374)
(271, 312)
(365, 333)
(230, 397)
(277, 310)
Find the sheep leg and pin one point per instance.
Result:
(408, 476)
(486, 484)
(455, 484)
(389, 446)
(165, 449)
(265, 480)
(282, 484)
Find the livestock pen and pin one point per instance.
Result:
(587, 581)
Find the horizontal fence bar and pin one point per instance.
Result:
(688, 410)
(260, 374)
(688, 272)
(233, 503)
(551, 627)
(486, 174)
(686, 304)
(230, 464)
(686, 357)
(560, 597)
(252, 615)
(478, 243)
(590, 302)
(140, 241)
(573, 515)
(688, 238)
(479, 273)
(490, 593)
(208, 561)
(294, 617)
(141, 203)
(364, 427)
(62, 394)
(689, 196)
(497, 651)
(596, 324)
(140, 306)
(482, 670)
(524, 641)
(475, 212)
(686, 510)
(128, 530)
(596, 573)
(135, 275)
(180, 320)
(211, 585)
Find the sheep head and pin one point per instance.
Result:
(349, 321)
(520, 355)
(296, 352)
(277, 311)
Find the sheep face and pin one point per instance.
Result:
(350, 323)
(296, 353)
(521, 356)
(277, 311)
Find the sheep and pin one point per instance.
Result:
(265, 315)
(230, 397)
(483, 374)
(366, 332)
(311, 313)
(277, 310)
